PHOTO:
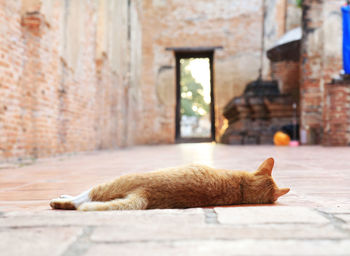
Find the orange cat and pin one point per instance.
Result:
(181, 187)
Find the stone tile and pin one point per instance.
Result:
(109, 218)
(346, 227)
(37, 241)
(170, 232)
(337, 209)
(344, 217)
(134, 249)
(289, 227)
(268, 214)
(226, 248)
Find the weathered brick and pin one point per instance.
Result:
(321, 60)
(34, 69)
(335, 114)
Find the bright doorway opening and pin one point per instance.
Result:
(195, 111)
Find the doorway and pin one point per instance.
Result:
(195, 120)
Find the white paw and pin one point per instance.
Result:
(62, 203)
(65, 196)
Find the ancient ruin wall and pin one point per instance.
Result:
(336, 114)
(61, 90)
(234, 25)
(321, 59)
(281, 16)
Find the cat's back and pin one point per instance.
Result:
(188, 186)
(184, 173)
(182, 177)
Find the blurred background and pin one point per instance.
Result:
(101, 74)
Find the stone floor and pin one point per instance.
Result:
(313, 219)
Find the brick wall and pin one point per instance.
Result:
(235, 25)
(59, 91)
(85, 75)
(274, 27)
(287, 75)
(11, 52)
(336, 122)
(311, 69)
(321, 59)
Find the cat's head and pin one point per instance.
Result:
(262, 188)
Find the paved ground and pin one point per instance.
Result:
(313, 219)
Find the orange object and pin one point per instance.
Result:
(281, 139)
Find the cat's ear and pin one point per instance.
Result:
(265, 167)
(280, 192)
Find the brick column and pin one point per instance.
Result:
(311, 72)
(336, 109)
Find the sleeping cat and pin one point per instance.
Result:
(179, 187)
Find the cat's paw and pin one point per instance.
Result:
(62, 203)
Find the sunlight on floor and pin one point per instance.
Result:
(202, 154)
